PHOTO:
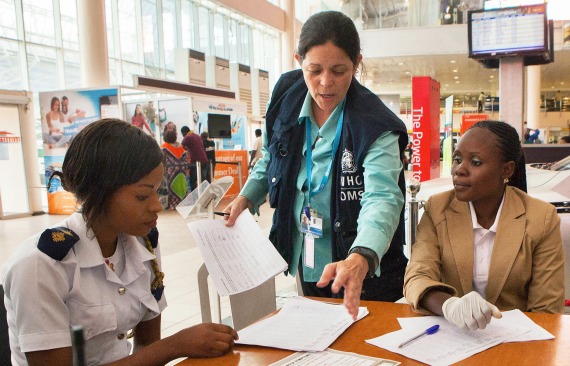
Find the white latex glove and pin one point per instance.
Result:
(470, 311)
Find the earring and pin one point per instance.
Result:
(506, 180)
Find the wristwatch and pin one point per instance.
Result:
(371, 258)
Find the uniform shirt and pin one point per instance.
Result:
(483, 242)
(44, 296)
(382, 165)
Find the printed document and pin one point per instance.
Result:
(450, 344)
(238, 258)
(332, 357)
(301, 325)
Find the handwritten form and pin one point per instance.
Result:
(238, 258)
(301, 325)
(451, 344)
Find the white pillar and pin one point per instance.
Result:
(30, 152)
(93, 43)
(511, 89)
(533, 96)
(288, 37)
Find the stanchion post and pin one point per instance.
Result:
(413, 187)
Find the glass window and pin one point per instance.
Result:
(110, 33)
(10, 72)
(153, 72)
(114, 72)
(219, 44)
(72, 69)
(232, 40)
(128, 30)
(8, 19)
(69, 31)
(244, 44)
(129, 69)
(150, 33)
(38, 22)
(258, 50)
(42, 68)
(169, 33)
(204, 30)
(188, 29)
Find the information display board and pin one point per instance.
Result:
(518, 31)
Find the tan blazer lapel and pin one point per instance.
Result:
(460, 230)
(510, 235)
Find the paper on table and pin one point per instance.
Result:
(332, 357)
(301, 325)
(514, 318)
(450, 344)
(238, 258)
(518, 318)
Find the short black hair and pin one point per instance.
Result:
(103, 157)
(258, 132)
(184, 130)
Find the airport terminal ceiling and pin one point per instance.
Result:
(393, 75)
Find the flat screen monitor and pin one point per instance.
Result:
(219, 126)
(517, 31)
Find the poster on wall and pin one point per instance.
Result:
(155, 116)
(63, 114)
(175, 113)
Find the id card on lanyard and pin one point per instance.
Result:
(311, 220)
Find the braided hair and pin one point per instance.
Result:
(508, 142)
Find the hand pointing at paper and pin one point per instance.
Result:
(348, 274)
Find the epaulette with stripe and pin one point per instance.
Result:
(153, 237)
(56, 242)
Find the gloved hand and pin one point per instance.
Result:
(470, 311)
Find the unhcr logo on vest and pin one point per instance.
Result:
(348, 165)
(351, 186)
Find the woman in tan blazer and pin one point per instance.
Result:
(486, 245)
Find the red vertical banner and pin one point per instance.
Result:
(425, 124)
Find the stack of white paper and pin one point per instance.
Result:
(238, 258)
(451, 344)
(301, 325)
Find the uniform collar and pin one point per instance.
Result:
(307, 112)
(88, 253)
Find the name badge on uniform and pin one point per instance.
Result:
(309, 250)
(311, 222)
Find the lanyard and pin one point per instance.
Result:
(309, 154)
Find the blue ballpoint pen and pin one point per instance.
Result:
(430, 330)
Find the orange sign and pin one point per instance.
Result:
(468, 120)
(227, 164)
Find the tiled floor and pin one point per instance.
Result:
(180, 263)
